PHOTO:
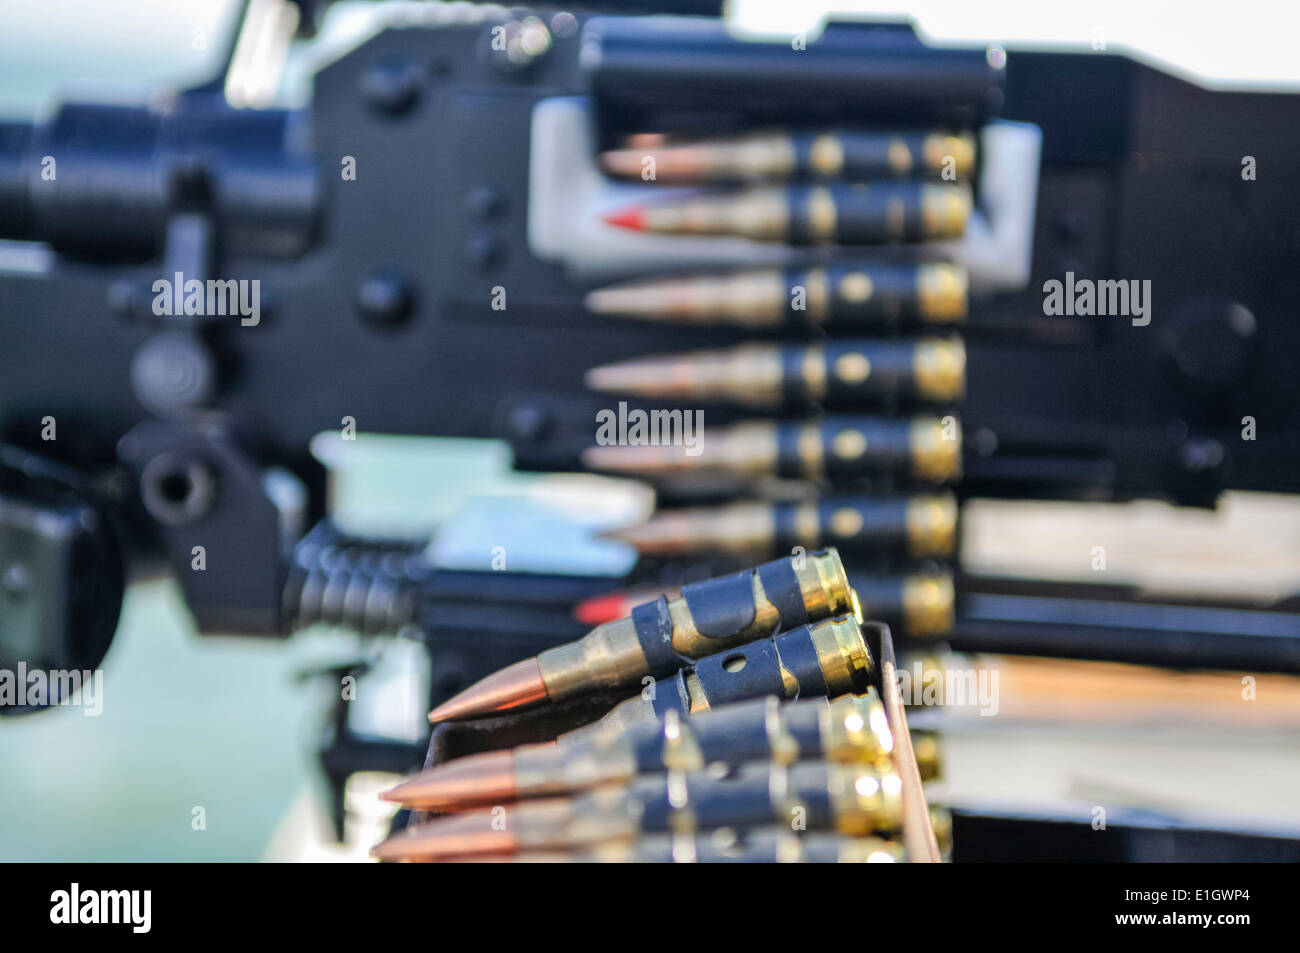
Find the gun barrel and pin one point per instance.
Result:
(103, 181)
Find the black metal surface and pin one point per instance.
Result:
(1132, 837)
(377, 306)
(1142, 180)
(120, 173)
(695, 76)
(215, 521)
(61, 573)
(378, 289)
(1122, 624)
(1142, 634)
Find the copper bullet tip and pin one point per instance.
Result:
(515, 686)
(662, 301)
(622, 162)
(645, 140)
(600, 301)
(632, 217)
(649, 377)
(603, 378)
(669, 163)
(635, 458)
(663, 533)
(473, 781)
(448, 837)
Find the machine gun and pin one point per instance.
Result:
(192, 291)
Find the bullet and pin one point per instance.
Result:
(922, 604)
(659, 637)
(917, 527)
(848, 297)
(840, 373)
(615, 605)
(834, 448)
(849, 729)
(856, 800)
(850, 155)
(727, 845)
(812, 215)
(929, 757)
(941, 821)
(917, 604)
(826, 658)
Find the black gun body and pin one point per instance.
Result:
(406, 256)
(406, 214)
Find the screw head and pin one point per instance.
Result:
(1202, 456)
(484, 202)
(483, 251)
(17, 580)
(385, 298)
(173, 372)
(529, 422)
(392, 86)
(125, 298)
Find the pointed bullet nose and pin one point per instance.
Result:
(600, 300)
(631, 298)
(675, 300)
(515, 686)
(645, 460)
(632, 217)
(475, 833)
(600, 609)
(622, 162)
(473, 781)
(606, 377)
(662, 533)
(614, 457)
(654, 376)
